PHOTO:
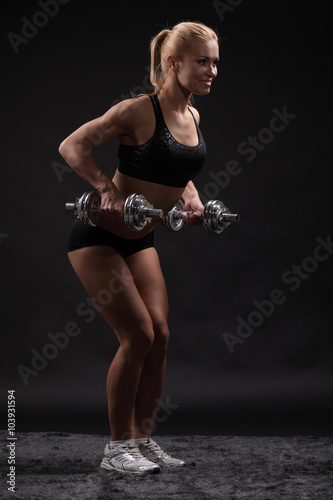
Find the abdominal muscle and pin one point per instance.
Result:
(160, 196)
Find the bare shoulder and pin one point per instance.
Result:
(140, 108)
(133, 107)
(196, 114)
(130, 111)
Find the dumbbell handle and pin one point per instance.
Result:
(224, 217)
(70, 207)
(149, 212)
(153, 212)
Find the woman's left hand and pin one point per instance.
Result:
(195, 208)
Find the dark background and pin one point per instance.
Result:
(91, 54)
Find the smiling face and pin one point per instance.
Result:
(197, 69)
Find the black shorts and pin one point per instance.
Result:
(84, 236)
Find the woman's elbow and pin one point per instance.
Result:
(67, 151)
(62, 148)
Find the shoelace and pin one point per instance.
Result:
(123, 455)
(154, 448)
(135, 452)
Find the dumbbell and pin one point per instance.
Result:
(215, 218)
(137, 210)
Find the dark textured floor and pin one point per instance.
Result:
(62, 466)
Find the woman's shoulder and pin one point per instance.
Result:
(135, 108)
(135, 104)
(129, 113)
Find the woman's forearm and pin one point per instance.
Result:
(189, 192)
(79, 158)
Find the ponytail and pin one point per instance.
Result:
(157, 73)
(174, 42)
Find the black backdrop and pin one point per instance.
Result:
(251, 347)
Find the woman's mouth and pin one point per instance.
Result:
(206, 82)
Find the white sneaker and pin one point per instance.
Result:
(154, 453)
(126, 457)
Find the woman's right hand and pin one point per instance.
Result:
(112, 208)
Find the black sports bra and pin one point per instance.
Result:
(162, 159)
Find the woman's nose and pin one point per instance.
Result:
(212, 71)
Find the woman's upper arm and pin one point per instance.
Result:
(116, 121)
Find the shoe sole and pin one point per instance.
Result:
(170, 466)
(108, 467)
(163, 465)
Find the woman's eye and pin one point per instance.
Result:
(203, 61)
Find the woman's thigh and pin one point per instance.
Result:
(149, 280)
(109, 282)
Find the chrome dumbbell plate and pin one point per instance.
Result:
(87, 208)
(174, 219)
(138, 212)
(217, 217)
(91, 208)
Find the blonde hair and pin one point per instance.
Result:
(174, 42)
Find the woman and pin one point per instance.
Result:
(161, 149)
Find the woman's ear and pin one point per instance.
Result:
(172, 63)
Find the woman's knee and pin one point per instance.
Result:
(161, 336)
(139, 340)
